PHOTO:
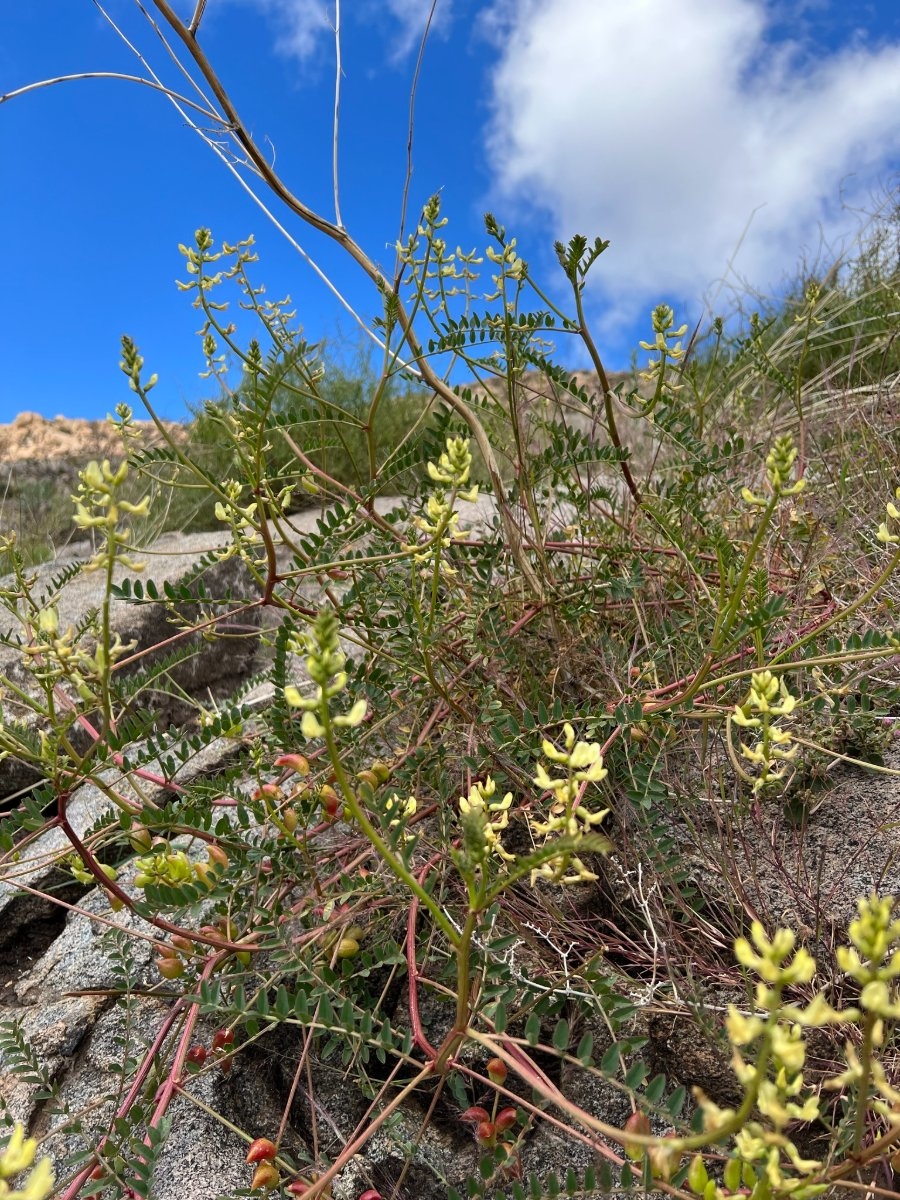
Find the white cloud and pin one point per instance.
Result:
(412, 17)
(301, 25)
(669, 129)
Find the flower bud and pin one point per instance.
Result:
(698, 1176)
(664, 1159)
(732, 1174)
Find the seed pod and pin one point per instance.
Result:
(329, 800)
(506, 1118)
(261, 1150)
(638, 1123)
(368, 777)
(297, 763)
(485, 1132)
(497, 1070)
(184, 944)
(370, 1194)
(347, 947)
(206, 875)
(474, 1115)
(289, 819)
(197, 1055)
(265, 1177)
(170, 967)
(140, 838)
(217, 856)
(222, 1038)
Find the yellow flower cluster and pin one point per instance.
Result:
(99, 505)
(484, 819)
(17, 1156)
(569, 817)
(779, 465)
(768, 699)
(884, 530)
(325, 663)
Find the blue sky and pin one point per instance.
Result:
(715, 143)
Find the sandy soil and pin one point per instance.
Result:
(32, 437)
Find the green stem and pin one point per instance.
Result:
(865, 1062)
(377, 842)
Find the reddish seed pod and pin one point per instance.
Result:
(371, 1194)
(217, 855)
(222, 1038)
(99, 1172)
(485, 1132)
(497, 1071)
(197, 1055)
(297, 763)
(184, 944)
(298, 1187)
(638, 1123)
(268, 791)
(261, 1150)
(474, 1115)
(329, 800)
(226, 1064)
(506, 1118)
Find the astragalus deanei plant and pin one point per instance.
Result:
(479, 695)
